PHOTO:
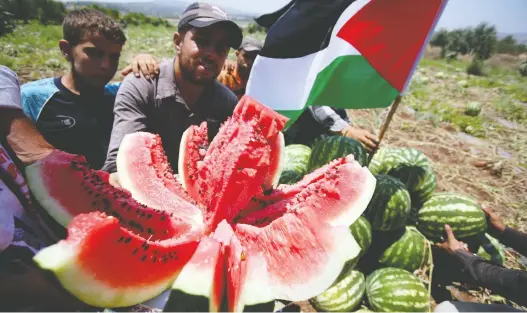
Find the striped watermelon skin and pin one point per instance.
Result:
(296, 160)
(461, 212)
(416, 172)
(384, 159)
(390, 205)
(411, 166)
(392, 289)
(343, 296)
(361, 231)
(333, 147)
(491, 249)
(408, 253)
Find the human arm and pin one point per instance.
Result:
(328, 118)
(129, 115)
(506, 235)
(26, 141)
(144, 64)
(479, 272)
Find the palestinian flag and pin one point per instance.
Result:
(341, 53)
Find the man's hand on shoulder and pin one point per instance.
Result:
(144, 64)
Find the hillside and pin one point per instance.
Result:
(159, 8)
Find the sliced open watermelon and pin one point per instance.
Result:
(144, 171)
(291, 247)
(146, 265)
(192, 150)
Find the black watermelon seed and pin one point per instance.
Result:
(143, 258)
(135, 251)
(128, 240)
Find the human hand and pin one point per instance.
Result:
(229, 67)
(366, 138)
(451, 244)
(142, 63)
(494, 220)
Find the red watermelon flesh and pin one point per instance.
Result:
(296, 255)
(146, 266)
(238, 160)
(144, 171)
(330, 190)
(64, 186)
(303, 254)
(194, 145)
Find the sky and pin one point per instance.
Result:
(507, 15)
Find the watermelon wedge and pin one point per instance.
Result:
(144, 171)
(193, 147)
(147, 265)
(291, 245)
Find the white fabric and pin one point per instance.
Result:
(445, 306)
(9, 89)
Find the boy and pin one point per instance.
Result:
(74, 112)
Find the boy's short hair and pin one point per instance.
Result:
(81, 22)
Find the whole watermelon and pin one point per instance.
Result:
(409, 165)
(408, 253)
(333, 147)
(461, 212)
(343, 296)
(361, 230)
(396, 290)
(384, 159)
(390, 205)
(491, 249)
(296, 159)
(416, 173)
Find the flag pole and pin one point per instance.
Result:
(386, 123)
(389, 118)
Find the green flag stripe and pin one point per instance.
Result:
(350, 82)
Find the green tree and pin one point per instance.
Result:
(7, 23)
(485, 39)
(441, 39)
(507, 45)
(457, 42)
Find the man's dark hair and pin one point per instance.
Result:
(82, 22)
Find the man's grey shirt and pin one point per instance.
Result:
(156, 106)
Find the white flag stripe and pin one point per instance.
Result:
(285, 84)
(280, 83)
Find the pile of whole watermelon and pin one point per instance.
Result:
(404, 217)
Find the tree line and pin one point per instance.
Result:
(480, 41)
(53, 12)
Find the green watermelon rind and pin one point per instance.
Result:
(392, 289)
(461, 212)
(295, 163)
(361, 231)
(390, 205)
(344, 295)
(409, 165)
(492, 250)
(333, 147)
(408, 253)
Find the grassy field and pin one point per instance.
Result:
(32, 50)
(484, 156)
